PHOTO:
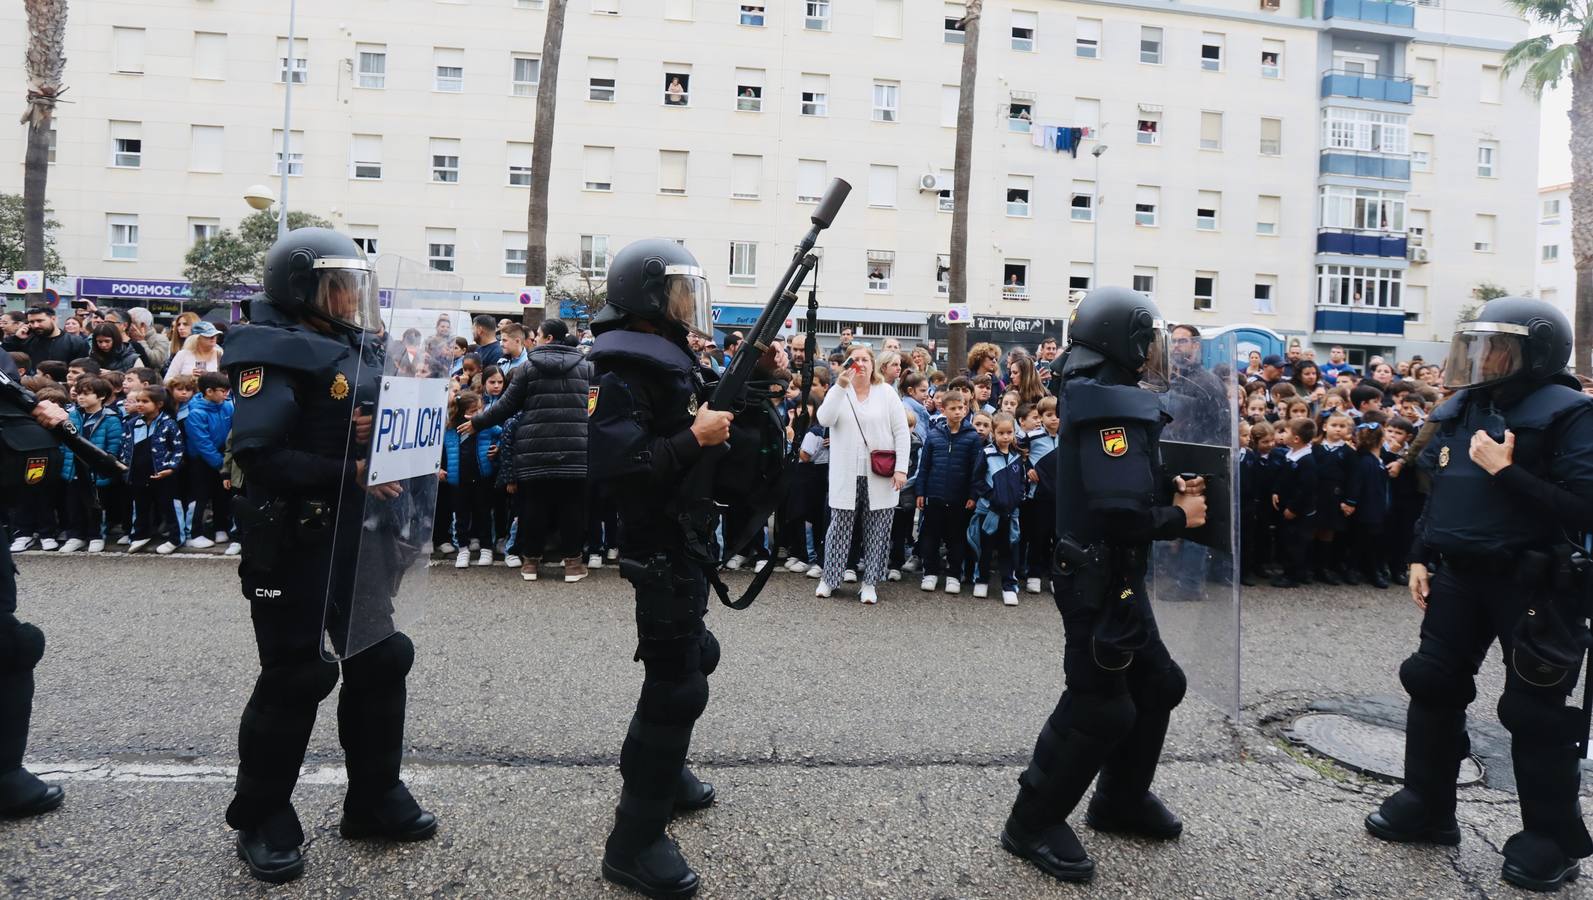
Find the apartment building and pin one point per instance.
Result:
(1556, 266)
(1345, 173)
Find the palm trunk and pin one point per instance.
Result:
(536, 251)
(1582, 202)
(35, 172)
(962, 176)
(46, 63)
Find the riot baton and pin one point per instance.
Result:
(23, 400)
(1584, 568)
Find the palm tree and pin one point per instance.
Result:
(46, 64)
(1545, 61)
(962, 175)
(536, 251)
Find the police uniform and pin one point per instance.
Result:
(27, 460)
(296, 389)
(1113, 500)
(1498, 549)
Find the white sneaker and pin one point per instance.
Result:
(928, 584)
(72, 545)
(613, 554)
(981, 591)
(734, 563)
(135, 546)
(235, 548)
(22, 543)
(794, 565)
(893, 575)
(512, 561)
(97, 545)
(1009, 598)
(49, 544)
(815, 570)
(1032, 586)
(953, 586)
(201, 543)
(849, 576)
(462, 561)
(124, 540)
(594, 561)
(868, 596)
(486, 557)
(446, 548)
(759, 566)
(912, 565)
(222, 537)
(823, 590)
(165, 548)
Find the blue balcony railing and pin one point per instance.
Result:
(1339, 83)
(1381, 12)
(1344, 320)
(1361, 243)
(1365, 165)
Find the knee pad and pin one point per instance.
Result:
(1428, 678)
(21, 647)
(388, 660)
(710, 653)
(674, 702)
(1539, 717)
(306, 681)
(1106, 718)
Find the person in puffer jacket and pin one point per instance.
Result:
(549, 394)
(999, 488)
(945, 472)
(102, 428)
(468, 488)
(209, 425)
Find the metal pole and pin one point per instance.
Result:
(1095, 232)
(287, 123)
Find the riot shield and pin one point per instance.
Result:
(383, 523)
(1194, 581)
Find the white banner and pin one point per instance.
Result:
(410, 420)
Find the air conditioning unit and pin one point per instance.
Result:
(1416, 254)
(1271, 4)
(929, 183)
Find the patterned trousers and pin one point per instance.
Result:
(876, 541)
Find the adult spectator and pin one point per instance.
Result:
(1307, 381)
(892, 345)
(11, 328)
(109, 351)
(488, 350)
(799, 354)
(182, 328)
(1381, 375)
(1292, 357)
(72, 325)
(889, 365)
(1335, 365)
(1252, 365)
(923, 360)
(199, 354)
(1271, 370)
(1025, 377)
(985, 359)
(548, 465)
(845, 346)
(151, 346)
(445, 326)
(46, 341)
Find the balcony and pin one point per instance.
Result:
(1360, 243)
(1381, 12)
(1344, 320)
(1359, 164)
(1388, 88)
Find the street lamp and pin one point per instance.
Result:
(1095, 251)
(259, 196)
(287, 120)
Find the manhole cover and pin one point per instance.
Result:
(1374, 750)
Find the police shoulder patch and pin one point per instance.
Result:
(36, 467)
(1114, 441)
(591, 399)
(250, 381)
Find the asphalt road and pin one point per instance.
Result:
(859, 751)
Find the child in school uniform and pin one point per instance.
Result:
(1368, 497)
(85, 517)
(811, 491)
(999, 486)
(1258, 471)
(906, 504)
(945, 473)
(1335, 467)
(1407, 495)
(153, 454)
(1295, 499)
(1037, 519)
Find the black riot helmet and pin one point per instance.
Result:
(658, 281)
(1122, 327)
(1511, 338)
(316, 273)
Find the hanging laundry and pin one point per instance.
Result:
(1075, 137)
(1037, 135)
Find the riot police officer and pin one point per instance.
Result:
(301, 371)
(1113, 500)
(1512, 490)
(26, 451)
(648, 429)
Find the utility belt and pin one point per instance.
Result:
(1100, 579)
(276, 525)
(1550, 639)
(1555, 571)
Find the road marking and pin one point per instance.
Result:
(109, 770)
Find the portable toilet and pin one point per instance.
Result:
(1245, 338)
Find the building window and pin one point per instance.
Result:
(945, 182)
(364, 237)
(1083, 201)
(887, 101)
(210, 55)
(528, 4)
(1087, 43)
(1080, 276)
(600, 79)
(672, 172)
(597, 164)
(752, 14)
(1015, 279)
(201, 230)
(206, 148)
(1551, 209)
(1148, 128)
(882, 186)
(1205, 294)
(1150, 45)
(1267, 214)
(1416, 230)
(1019, 187)
(1271, 58)
(519, 164)
(514, 253)
(1211, 130)
(956, 30)
(888, 18)
(881, 266)
(1146, 199)
(1362, 209)
(1261, 296)
(1551, 252)
(1486, 232)
(1492, 85)
(370, 66)
(1145, 281)
(301, 62)
(1370, 132)
(679, 10)
(127, 145)
(1020, 115)
(1421, 152)
(1271, 137)
(445, 160)
(127, 51)
(942, 273)
(440, 249)
(1359, 286)
(605, 7)
(1024, 26)
(1424, 77)
(527, 74)
(749, 90)
(746, 177)
(815, 95)
(818, 15)
(743, 262)
(295, 153)
(122, 238)
(1211, 45)
(594, 255)
(449, 65)
(1207, 205)
(810, 180)
(1487, 156)
(365, 157)
(677, 85)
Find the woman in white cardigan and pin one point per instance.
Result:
(863, 415)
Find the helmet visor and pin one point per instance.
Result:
(1484, 353)
(345, 292)
(1155, 375)
(687, 300)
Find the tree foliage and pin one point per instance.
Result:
(567, 283)
(12, 220)
(233, 259)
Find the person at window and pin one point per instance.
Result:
(675, 94)
(748, 100)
